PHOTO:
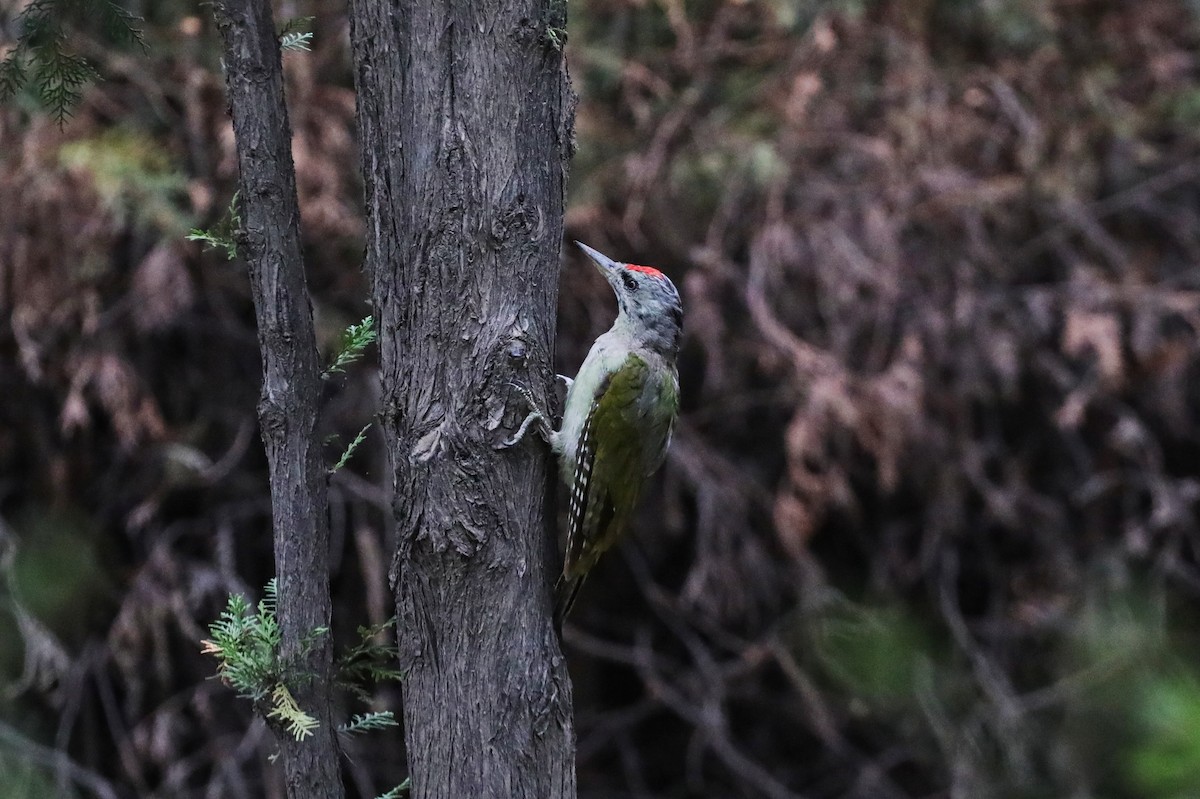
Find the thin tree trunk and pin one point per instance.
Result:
(465, 117)
(291, 391)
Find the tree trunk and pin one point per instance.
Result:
(465, 117)
(288, 409)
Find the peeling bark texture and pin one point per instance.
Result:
(465, 115)
(288, 408)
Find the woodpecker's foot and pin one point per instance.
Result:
(526, 395)
(535, 417)
(566, 381)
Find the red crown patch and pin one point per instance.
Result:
(649, 270)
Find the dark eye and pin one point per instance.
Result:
(630, 281)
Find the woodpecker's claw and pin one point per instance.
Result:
(566, 381)
(520, 434)
(535, 417)
(526, 394)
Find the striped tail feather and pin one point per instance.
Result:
(565, 592)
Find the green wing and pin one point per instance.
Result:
(663, 424)
(609, 468)
(624, 439)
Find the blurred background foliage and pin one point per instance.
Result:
(928, 527)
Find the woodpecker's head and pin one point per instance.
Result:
(649, 302)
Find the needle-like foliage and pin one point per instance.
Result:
(43, 58)
(354, 343)
(246, 641)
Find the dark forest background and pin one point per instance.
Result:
(928, 526)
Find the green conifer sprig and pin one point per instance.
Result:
(350, 449)
(296, 41)
(398, 792)
(368, 662)
(223, 235)
(291, 37)
(245, 640)
(42, 57)
(355, 340)
(365, 722)
(246, 643)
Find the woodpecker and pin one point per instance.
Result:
(618, 417)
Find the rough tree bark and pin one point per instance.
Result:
(291, 390)
(465, 115)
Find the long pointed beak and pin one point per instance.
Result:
(607, 266)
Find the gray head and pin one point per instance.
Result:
(649, 302)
